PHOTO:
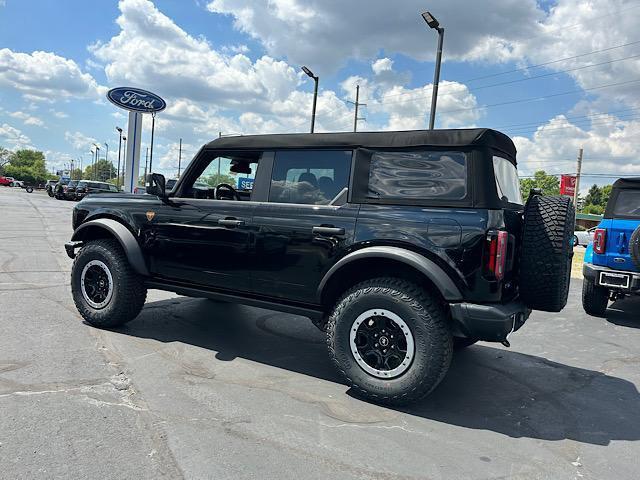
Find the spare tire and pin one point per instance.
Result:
(634, 247)
(545, 262)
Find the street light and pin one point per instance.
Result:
(119, 153)
(315, 95)
(434, 24)
(107, 158)
(95, 165)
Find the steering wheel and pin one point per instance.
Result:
(226, 186)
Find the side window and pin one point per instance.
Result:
(313, 177)
(507, 180)
(418, 175)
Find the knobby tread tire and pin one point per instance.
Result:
(634, 247)
(129, 293)
(547, 252)
(594, 298)
(428, 323)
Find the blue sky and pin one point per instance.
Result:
(234, 66)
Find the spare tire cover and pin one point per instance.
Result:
(634, 247)
(547, 252)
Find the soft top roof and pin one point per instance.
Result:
(481, 137)
(632, 182)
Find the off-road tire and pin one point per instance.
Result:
(547, 252)
(461, 342)
(129, 291)
(594, 298)
(634, 247)
(427, 322)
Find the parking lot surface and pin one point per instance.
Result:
(197, 389)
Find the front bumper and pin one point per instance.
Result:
(70, 248)
(592, 272)
(490, 322)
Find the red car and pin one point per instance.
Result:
(6, 181)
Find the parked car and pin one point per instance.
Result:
(59, 189)
(583, 237)
(86, 187)
(50, 187)
(612, 263)
(399, 245)
(139, 190)
(69, 190)
(6, 181)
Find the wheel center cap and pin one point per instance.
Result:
(384, 341)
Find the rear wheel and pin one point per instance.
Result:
(545, 266)
(390, 340)
(575, 241)
(106, 290)
(594, 298)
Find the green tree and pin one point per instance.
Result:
(216, 179)
(5, 158)
(27, 165)
(594, 197)
(549, 184)
(102, 171)
(593, 209)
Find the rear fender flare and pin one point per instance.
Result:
(122, 234)
(449, 291)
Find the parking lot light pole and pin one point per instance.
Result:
(95, 164)
(435, 25)
(315, 95)
(119, 154)
(107, 157)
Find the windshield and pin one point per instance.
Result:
(507, 180)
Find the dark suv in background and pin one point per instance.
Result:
(86, 187)
(400, 245)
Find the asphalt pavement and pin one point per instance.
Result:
(197, 389)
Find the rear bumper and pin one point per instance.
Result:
(490, 322)
(592, 272)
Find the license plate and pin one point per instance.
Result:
(619, 280)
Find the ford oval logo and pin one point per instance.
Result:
(136, 99)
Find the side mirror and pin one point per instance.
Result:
(155, 184)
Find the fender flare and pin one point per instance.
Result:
(123, 235)
(428, 268)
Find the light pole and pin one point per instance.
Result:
(95, 165)
(179, 157)
(107, 158)
(315, 95)
(119, 153)
(434, 24)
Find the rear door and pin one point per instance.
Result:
(305, 225)
(626, 219)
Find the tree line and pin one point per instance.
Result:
(594, 202)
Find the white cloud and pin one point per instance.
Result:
(13, 137)
(27, 119)
(44, 76)
(79, 141)
(610, 146)
(58, 114)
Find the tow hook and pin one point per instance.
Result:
(506, 343)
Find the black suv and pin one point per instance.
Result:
(400, 245)
(86, 187)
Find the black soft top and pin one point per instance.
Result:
(467, 137)
(633, 182)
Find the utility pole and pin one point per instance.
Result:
(146, 165)
(357, 104)
(153, 128)
(179, 157)
(577, 188)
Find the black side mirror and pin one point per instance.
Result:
(155, 185)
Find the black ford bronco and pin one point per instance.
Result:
(400, 245)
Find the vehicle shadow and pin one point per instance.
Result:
(487, 388)
(624, 312)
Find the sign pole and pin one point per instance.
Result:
(132, 157)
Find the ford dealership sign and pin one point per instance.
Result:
(136, 100)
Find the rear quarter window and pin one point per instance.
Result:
(417, 175)
(507, 181)
(627, 204)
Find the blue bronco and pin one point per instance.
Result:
(612, 263)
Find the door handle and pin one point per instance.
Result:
(230, 222)
(327, 230)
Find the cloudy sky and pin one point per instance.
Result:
(555, 76)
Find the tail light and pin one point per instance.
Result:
(497, 259)
(600, 240)
(65, 188)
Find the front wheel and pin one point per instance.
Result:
(575, 242)
(594, 298)
(390, 340)
(106, 290)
